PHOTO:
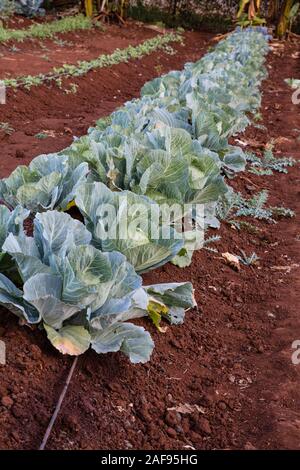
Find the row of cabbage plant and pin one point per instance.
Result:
(81, 281)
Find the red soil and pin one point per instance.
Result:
(35, 56)
(232, 357)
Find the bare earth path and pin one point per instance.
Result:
(232, 358)
(274, 422)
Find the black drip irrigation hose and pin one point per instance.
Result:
(58, 406)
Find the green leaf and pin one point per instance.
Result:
(26, 255)
(132, 340)
(183, 259)
(135, 232)
(9, 186)
(57, 233)
(71, 339)
(85, 271)
(41, 195)
(12, 298)
(173, 294)
(44, 292)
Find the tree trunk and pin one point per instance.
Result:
(173, 7)
(88, 8)
(273, 10)
(283, 21)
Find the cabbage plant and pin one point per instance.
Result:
(167, 166)
(128, 223)
(82, 296)
(48, 182)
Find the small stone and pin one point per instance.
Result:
(196, 438)
(71, 422)
(172, 418)
(175, 344)
(127, 424)
(170, 398)
(202, 425)
(83, 444)
(271, 315)
(171, 432)
(115, 387)
(222, 405)
(7, 401)
(143, 409)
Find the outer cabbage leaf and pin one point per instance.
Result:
(71, 339)
(132, 340)
(12, 298)
(128, 223)
(43, 291)
(10, 222)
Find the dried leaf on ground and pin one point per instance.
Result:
(186, 408)
(232, 260)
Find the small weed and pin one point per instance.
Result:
(72, 90)
(285, 212)
(248, 260)
(41, 135)
(245, 226)
(14, 49)
(169, 50)
(234, 205)
(266, 165)
(46, 58)
(62, 43)
(257, 117)
(208, 241)
(158, 69)
(43, 46)
(6, 128)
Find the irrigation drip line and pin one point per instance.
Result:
(58, 406)
(193, 283)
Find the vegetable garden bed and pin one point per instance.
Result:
(213, 362)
